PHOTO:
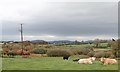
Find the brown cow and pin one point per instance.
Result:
(106, 61)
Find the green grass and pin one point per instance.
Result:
(81, 45)
(88, 45)
(0, 64)
(51, 63)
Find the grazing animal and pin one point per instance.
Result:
(65, 57)
(106, 61)
(87, 60)
(92, 58)
(75, 60)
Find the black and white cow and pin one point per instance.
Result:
(76, 60)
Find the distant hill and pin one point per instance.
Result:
(89, 41)
(61, 41)
(38, 41)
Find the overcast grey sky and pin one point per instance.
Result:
(60, 20)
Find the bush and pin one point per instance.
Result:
(85, 51)
(57, 53)
(83, 56)
(1, 53)
(39, 51)
(48, 46)
(11, 53)
(75, 51)
(80, 51)
(5, 56)
(115, 48)
(99, 54)
(106, 54)
(91, 54)
(109, 44)
(103, 46)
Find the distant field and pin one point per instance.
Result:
(51, 63)
(86, 45)
(82, 45)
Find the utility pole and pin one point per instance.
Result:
(21, 31)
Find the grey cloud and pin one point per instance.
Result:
(69, 19)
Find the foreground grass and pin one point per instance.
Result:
(50, 63)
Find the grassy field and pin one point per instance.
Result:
(55, 63)
(88, 45)
(51, 63)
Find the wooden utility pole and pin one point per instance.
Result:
(21, 31)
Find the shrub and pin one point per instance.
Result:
(109, 44)
(75, 51)
(100, 54)
(5, 56)
(115, 48)
(91, 53)
(83, 56)
(85, 51)
(58, 53)
(119, 53)
(108, 54)
(48, 46)
(39, 51)
(80, 51)
(1, 52)
(11, 53)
